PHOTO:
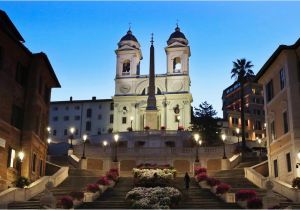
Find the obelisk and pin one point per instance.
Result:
(151, 109)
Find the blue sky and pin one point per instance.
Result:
(80, 38)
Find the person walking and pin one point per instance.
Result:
(187, 180)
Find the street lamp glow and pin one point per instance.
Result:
(200, 142)
(131, 118)
(237, 130)
(49, 140)
(21, 155)
(105, 143)
(298, 154)
(178, 118)
(72, 129)
(196, 137)
(223, 136)
(116, 137)
(48, 129)
(84, 137)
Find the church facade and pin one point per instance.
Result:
(172, 89)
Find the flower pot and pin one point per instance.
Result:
(242, 204)
(213, 189)
(88, 197)
(103, 188)
(96, 195)
(112, 184)
(204, 185)
(77, 203)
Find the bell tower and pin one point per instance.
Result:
(178, 53)
(129, 56)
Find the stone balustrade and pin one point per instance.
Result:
(256, 178)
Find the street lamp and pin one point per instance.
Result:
(116, 138)
(72, 129)
(196, 137)
(178, 120)
(84, 138)
(237, 130)
(21, 155)
(104, 144)
(131, 120)
(224, 152)
(260, 148)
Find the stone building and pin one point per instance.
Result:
(26, 80)
(280, 78)
(254, 110)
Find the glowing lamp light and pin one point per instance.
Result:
(200, 142)
(196, 137)
(223, 136)
(48, 129)
(131, 118)
(178, 117)
(84, 137)
(105, 143)
(49, 140)
(72, 129)
(237, 130)
(21, 155)
(298, 154)
(116, 137)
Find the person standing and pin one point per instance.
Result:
(187, 180)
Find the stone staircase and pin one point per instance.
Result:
(113, 198)
(76, 181)
(197, 198)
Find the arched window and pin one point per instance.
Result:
(177, 65)
(126, 67)
(158, 91)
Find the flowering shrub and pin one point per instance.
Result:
(21, 182)
(77, 195)
(243, 195)
(212, 181)
(201, 177)
(112, 176)
(222, 188)
(153, 198)
(66, 202)
(103, 181)
(154, 166)
(254, 203)
(153, 177)
(93, 188)
(200, 170)
(114, 170)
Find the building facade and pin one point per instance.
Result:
(254, 110)
(280, 78)
(127, 107)
(26, 80)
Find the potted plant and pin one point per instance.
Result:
(213, 183)
(222, 188)
(92, 192)
(77, 198)
(66, 202)
(201, 177)
(254, 203)
(243, 195)
(200, 170)
(22, 182)
(296, 183)
(103, 183)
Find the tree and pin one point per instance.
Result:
(242, 73)
(205, 122)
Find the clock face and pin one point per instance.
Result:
(125, 88)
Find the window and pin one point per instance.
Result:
(273, 134)
(33, 162)
(99, 116)
(77, 117)
(282, 78)
(41, 167)
(124, 119)
(55, 118)
(288, 162)
(65, 132)
(66, 118)
(17, 117)
(88, 125)
(275, 168)
(55, 108)
(177, 65)
(11, 157)
(111, 118)
(100, 106)
(285, 122)
(257, 125)
(111, 106)
(76, 131)
(54, 132)
(235, 120)
(67, 108)
(89, 112)
(126, 67)
(269, 90)
(77, 107)
(246, 123)
(21, 75)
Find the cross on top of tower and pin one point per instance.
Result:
(151, 39)
(129, 24)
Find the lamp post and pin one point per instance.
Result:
(260, 152)
(84, 138)
(224, 152)
(104, 144)
(237, 130)
(116, 138)
(72, 129)
(21, 155)
(178, 121)
(196, 137)
(49, 140)
(131, 120)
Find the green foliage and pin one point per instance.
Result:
(205, 122)
(22, 182)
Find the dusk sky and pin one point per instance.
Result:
(80, 38)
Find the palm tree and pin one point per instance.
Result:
(242, 72)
